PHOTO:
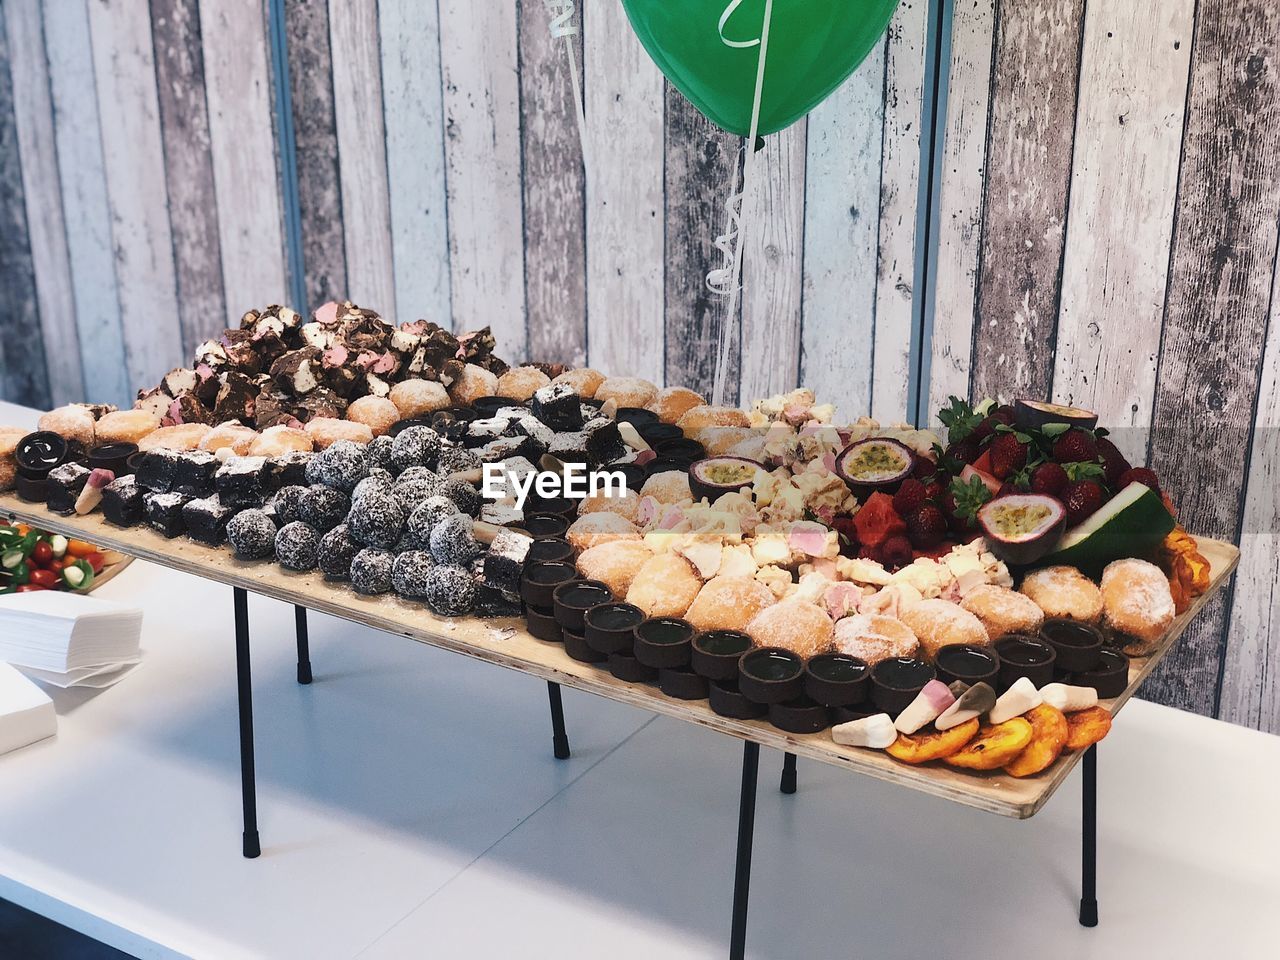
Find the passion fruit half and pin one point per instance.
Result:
(1020, 528)
(1036, 414)
(875, 464)
(715, 476)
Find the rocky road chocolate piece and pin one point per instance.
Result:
(273, 408)
(178, 381)
(237, 395)
(206, 520)
(552, 370)
(122, 502)
(65, 483)
(240, 482)
(320, 402)
(298, 372)
(186, 408)
(164, 512)
(154, 401)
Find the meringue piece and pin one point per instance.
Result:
(929, 704)
(1068, 698)
(704, 555)
(1015, 701)
(876, 732)
(973, 702)
(631, 436)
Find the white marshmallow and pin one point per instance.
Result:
(876, 731)
(1068, 698)
(1015, 701)
(973, 702)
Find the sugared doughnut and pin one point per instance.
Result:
(72, 422)
(720, 440)
(614, 564)
(181, 436)
(125, 426)
(325, 431)
(728, 603)
(704, 415)
(628, 505)
(519, 383)
(672, 486)
(671, 403)
(1003, 611)
(796, 625)
(664, 586)
(230, 434)
(281, 439)
(627, 391)
(938, 622)
(376, 413)
(1137, 602)
(1064, 592)
(415, 398)
(584, 381)
(874, 637)
(473, 383)
(592, 529)
(9, 438)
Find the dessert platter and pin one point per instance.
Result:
(962, 613)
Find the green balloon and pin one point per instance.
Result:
(813, 47)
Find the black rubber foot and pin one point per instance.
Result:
(788, 784)
(560, 747)
(1088, 913)
(304, 672)
(252, 848)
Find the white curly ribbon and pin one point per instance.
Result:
(726, 279)
(563, 28)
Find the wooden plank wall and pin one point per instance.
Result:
(1126, 232)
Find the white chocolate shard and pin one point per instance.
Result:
(928, 705)
(1015, 701)
(973, 702)
(876, 732)
(1068, 698)
(631, 436)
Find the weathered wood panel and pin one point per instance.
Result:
(414, 115)
(1033, 107)
(899, 183)
(772, 260)
(624, 197)
(133, 156)
(23, 377)
(700, 158)
(324, 253)
(362, 153)
(1219, 297)
(555, 254)
(842, 202)
(964, 156)
(479, 57)
(46, 227)
(84, 204)
(1133, 85)
(188, 168)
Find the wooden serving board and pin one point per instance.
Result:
(506, 643)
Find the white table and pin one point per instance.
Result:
(413, 809)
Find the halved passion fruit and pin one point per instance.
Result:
(1020, 528)
(1035, 414)
(715, 476)
(875, 464)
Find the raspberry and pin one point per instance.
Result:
(896, 552)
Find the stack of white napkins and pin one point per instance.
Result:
(69, 639)
(26, 712)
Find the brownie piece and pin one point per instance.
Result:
(122, 501)
(604, 442)
(287, 470)
(65, 484)
(158, 471)
(164, 512)
(569, 447)
(558, 407)
(206, 520)
(240, 482)
(193, 473)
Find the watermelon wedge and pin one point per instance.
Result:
(1133, 523)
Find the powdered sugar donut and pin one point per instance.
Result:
(728, 603)
(280, 439)
(324, 431)
(664, 586)
(704, 415)
(938, 622)
(627, 505)
(1137, 603)
(614, 564)
(592, 529)
(671, 486)
(73, 422)
(181, 436)
(473, 383)
(230, 434)
(627, 391)
(671, 403)
(583, 381)
(796, 625)
(1002, 610)
(1064, 592)
(414, 398)
(376, 413)
(720, 440)
(125, 425)
(519, 383)
(873, 637)
(9, 439)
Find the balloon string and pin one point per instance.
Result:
(562, 27)
(727, 278)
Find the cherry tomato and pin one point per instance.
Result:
(95, 560)
(42, 554)
(44, 578)
(30, 588)
(56, 564)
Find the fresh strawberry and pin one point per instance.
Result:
(960, 419)
(1113, 461)
(1140, 475)
(1008, 454)
(993, 420)
(895, 552)
(1084, 498)
(909, 496)
(922, 468)
(846, 535)
(1074, 446)
(1049, 478)
(964, 452)
(926, 527)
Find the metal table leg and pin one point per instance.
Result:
(244, 687)
(1089, 841)
(304, 644)
(559, 739)
(788, 784)
(746, 831)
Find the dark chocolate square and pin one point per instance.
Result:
(65, 484)
(122, 502)
(164, 512)
(206, 520)
(241, 482)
